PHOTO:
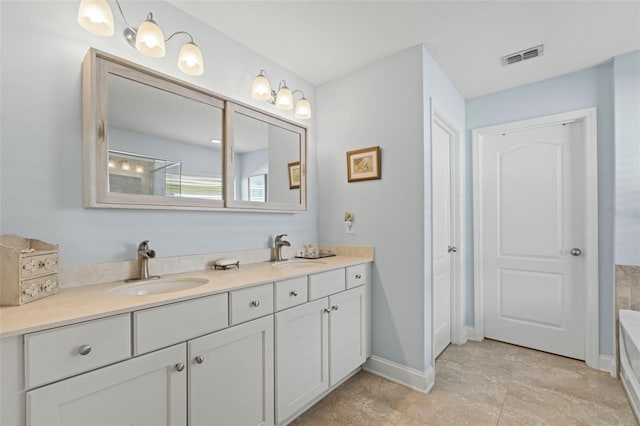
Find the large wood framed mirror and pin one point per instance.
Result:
(151, 141)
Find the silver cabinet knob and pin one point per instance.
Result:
(254, 303)
(180, 366)
(452, 249)
(358, 276)
(84, 350)
(334, 308)
(326, 311)
(576, 252)
(199, 359)
(293, 293)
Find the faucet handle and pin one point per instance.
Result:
(279, 237)
(144, 245)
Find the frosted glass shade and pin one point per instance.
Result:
(190, 60)
(261, 89)
(150, 40)
(95, 16)
(303, 109)
(284, 99)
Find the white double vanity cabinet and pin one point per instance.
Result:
(256, 355)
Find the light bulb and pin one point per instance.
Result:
(95, 16)
(190, 59)
(303, 109)
(150, 39)
(112, 164)
(284, 100)
(261, 89)
(139, 168)
(125, 166)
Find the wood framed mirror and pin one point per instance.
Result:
(151, 141)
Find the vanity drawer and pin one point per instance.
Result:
(58, 353)
(250, 303)
(164, 326)
(357, 275)
(326, 283)
(291, 292)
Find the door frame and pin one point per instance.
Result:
(440, 117)
(587, 117)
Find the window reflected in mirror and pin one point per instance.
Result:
(162, 144)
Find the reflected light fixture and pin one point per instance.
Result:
(215, 141)
(125, 166)
(96, 16)
(282, 99)
(139, 168)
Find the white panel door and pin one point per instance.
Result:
(347, 342)
(148, 390)
(532, 200)
(232, 383)
(302, 356)
(443, 239)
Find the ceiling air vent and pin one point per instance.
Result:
(523, 55)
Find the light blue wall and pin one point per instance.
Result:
(626, 83)
(390, 212)
(355, 113)
(42, 48)
(592, 87)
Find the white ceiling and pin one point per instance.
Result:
(323, 40)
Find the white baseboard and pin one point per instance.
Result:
(421, 381)
(607, 363)
(470, 333)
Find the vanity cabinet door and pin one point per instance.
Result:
(347, 333)
(231, 376)
(302, 356)
(148, 390)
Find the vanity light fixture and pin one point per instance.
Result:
(282, 99)
(125, 166)
(96, 16)
(112, 164)
(139, 168)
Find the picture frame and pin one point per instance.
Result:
(364, 164)
(294, 175)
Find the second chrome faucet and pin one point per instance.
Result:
(144, 254)
(278, 243)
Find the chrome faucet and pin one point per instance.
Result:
(279, 243)
(144, 254)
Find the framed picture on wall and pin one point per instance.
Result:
(363, 164)
(294, 175)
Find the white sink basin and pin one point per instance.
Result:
(157, 287)
(290, 264)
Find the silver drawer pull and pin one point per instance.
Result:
(199, 359)
(358, 276)
(84, 350)
(326, 311)
(180, 366)
(254, 303)
(293, 293)
(334, 308)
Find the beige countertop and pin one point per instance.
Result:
(90, 302)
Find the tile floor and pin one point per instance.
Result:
(482, 383)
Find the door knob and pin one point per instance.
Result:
(452, 249)
(576, 252)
